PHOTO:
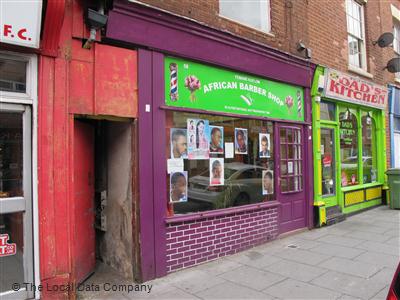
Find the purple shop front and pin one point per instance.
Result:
(225, 155)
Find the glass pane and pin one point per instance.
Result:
(396, 124)
(210, 180)
(12, 250)
(12, 76)
(369, 149)
(328, 161)
(283, 136)
(348, 147)
(327, 111)
(290, 136)
(290, 151)
(11, 155)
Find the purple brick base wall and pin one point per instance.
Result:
(193, 242)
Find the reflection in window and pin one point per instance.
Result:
(327, 111)
(12, 76)
(369, 148)
(243, 175)
(348, 147)
(10, 155)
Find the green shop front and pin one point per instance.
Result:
(349, 144)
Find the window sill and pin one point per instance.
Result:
(360, 186)
(359, 71)
(220, 212)
(266, 32)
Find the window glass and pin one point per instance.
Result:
(11, 261)
(396, 41)
(327, 111)
(369, 148)
(251, 13)
(291, 164)
(396, 122)
(328, 161)
(348, 147)
(10, 155)
(12, 76)
(355, 29)
(234, 168)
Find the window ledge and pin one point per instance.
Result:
(220, 212)
(266, 32)
(360, 186)
(359, 71)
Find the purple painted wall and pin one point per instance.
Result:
(193, 242)
(135, 25)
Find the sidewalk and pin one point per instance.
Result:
(354, 259)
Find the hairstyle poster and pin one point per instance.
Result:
(216, 171)
(178, 186)
(216, 139)
(267, 182)
(178, 141)
(264, 145)
(198, 135)
(240, 141)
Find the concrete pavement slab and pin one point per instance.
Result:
(339, 240)
(254, 259)
(338, 251)
(253, 278)
(385, 275)
(303, 256)
(349, 285)
(293, 289)
(382, 295)
(295, 270)
(369, 236)
(378, 259)
(229, 290)
(219, 266)
(394, 241)
(379, 247)
(350, 267)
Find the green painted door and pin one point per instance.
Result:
(329, 166)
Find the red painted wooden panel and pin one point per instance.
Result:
(84, 234)
(81, 87)
(47, 241)
(115, 81)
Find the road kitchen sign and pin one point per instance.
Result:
(354, 90)
(197, 86)
(20, 22)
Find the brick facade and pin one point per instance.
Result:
(193, 242)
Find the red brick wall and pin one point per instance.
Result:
(193, 242)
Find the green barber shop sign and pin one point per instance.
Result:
(197, 86)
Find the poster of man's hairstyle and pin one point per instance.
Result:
(178, 142)
(240, 141)
(264, 145)
(178, 186)
(267, 182)
(216, 139)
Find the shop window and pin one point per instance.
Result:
(226, 162)
(355, 34)
(291, 160)
(255, 14)
(327, 111)
(12, 75)
(369, 158)
(11, 156)
(349, 147)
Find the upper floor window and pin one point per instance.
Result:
(355, 34)
(396, 41)
(251, 13)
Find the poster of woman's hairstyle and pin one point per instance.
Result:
(198, 132)
(267, 182)
(216, 171)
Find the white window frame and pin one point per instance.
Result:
(265, 18)
(30, 97)
(31, 79)
(363, 50)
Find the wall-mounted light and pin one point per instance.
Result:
(94, 20)
(301, 47)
